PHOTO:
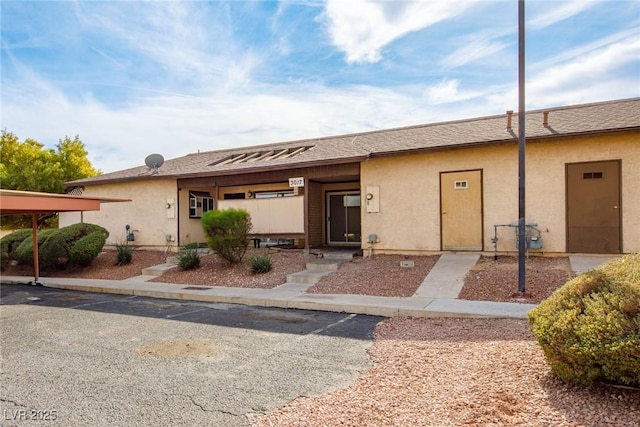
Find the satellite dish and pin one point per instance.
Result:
(154, 161)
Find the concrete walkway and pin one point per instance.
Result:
(434, 298)
(446, 278)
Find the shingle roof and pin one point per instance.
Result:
(563, 121)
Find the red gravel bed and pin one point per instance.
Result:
(380, 275)
(497, 280)
(103, 267)
(215, 271)
(459, 372)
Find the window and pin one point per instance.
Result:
(233, 196)
(273, 194)
(199, 203)
(593, 175)
(351, 201)
(461, 185)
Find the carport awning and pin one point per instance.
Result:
(14, 202)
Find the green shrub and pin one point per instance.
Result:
(4, 258)
(189, 258)
(87, 248)
(261, 263)
(10, 242)
(57, 250)
(226, 232)
(589, 329)
(24, 252)
(124, 254)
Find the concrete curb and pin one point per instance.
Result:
(341, 303)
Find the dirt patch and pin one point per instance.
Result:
(379, 275)
(179, 348)
(497, 280)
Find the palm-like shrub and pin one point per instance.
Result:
(124, 254)
(188, 257)
(261, 263)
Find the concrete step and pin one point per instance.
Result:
(157, 270)
(325, 264)
(307, 276)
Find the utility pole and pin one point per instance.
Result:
(522, 232)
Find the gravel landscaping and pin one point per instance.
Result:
(380, 275)
(426, 372)
(459, 372)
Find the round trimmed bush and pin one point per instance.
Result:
(589, 329)
(24, 252)
(10, 242)
(58, 250)
(87, 248)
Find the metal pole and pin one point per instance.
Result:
(522, 242)
(36, 261)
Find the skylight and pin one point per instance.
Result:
(261, 156)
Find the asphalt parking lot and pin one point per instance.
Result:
(74, 358)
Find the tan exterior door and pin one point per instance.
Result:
(461, 210)
(593, 207)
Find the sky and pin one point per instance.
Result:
(132, 78)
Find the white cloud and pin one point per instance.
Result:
(592, 76)
(473, 48)
(555, 12)
(362, 28)
(447, 91)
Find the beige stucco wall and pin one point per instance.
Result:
(409, 217)
(147, 213)
(283, 215)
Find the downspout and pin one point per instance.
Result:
(178, 216)
(306, 215)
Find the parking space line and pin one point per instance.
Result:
(88, 304)
(320, 330)
(171, 316)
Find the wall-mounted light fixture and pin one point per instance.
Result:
(250, 194)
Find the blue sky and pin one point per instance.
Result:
(133, 78)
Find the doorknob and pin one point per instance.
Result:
(615, 206)
(444, 212)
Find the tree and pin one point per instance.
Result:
(30, 166)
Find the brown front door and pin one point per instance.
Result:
(461, 210)
(593, 207)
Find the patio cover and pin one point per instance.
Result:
(13, 202)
